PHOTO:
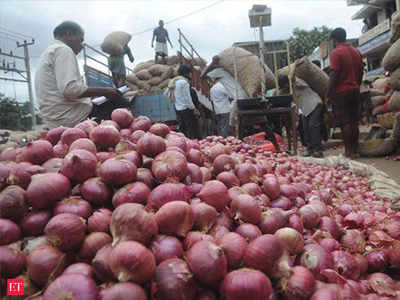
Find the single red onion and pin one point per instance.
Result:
(170, 166)
(309, 216)
(38, 194)
(159, 129)
(196, 157)
(136, 192)
(12, 262)
(215, 194)
(292, 240)
(234, 192)
(295, 222)
(224, 218)
(193, 237)
(125, 133)
(175, 281)
(218, 232)
(93, 243)
(263, 252)
(382, 284)
(79, 165)
(273, 219)
(53, 165)
(136, 135)
(246, 284)
(141, 123)
(249, 231)
(34, 222)
(73, 205)
(122, 117)
(252, 189)
(380, 239)
(330, 244)
(362, 263)
(37, 152)
(65, 231)
(110, 123)
(271, 186)
(300, 284)
(124, 290)
(22, 174)
(216, 150)
(344, 209)
(353, 240)
(206, 295)
(101, 266)
(234, 246)
(316, 259)
(326, 293)
(393, 229)
(117, 172)
(72, 134)
(204, 216)
(130, 221)
(96, 191)
(131, 261)
(60, 150)
(54, 135)
(289, 191)
(105, 136)
(246, 209)
(194, 174)
(133, 156)
(9, 232)
(86, 125)
(45, 264)
(77, 286)
(80, 268)
(207, 261)
(329, 225)
(8, 154)
(175, 217)
(167, 192)
(229, 179)
(345, 264)
(281, 202)
(100, 221)
(247, 173)
(145, 176)
(206, 174)
(165, 247)
(13, 204)
(151, 145)
(29, 244)
(83, 144)
(377, 260)
(223, 163)
(179, 142)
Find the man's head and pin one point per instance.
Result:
(185, 71)
(338, 36)
(161, 23)
(70, 33)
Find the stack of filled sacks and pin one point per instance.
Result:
(391, 63)
(380, 96)
(149, 78)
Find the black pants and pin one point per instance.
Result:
(312, 129)
(188, 123)
(103, 111)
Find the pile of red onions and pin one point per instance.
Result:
(127, 209)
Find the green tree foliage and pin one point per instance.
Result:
(14, 115)
(303, 42)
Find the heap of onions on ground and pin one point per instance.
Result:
(127, 209)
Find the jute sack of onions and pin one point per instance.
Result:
(386, 120)
(378, 147)
(395, 101)
(394, 81)
(391, 60)
(378, 100)
(395, 27)
(143, 75)
(248, 69)
(158, 69)
(115, 41)
(156, 80)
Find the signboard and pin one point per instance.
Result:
(374, 32)
(96, 78)
(379, 41)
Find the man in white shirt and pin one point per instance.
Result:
(185, 110)
(222, 107)
(60, 88)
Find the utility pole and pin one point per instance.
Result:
(28, 78)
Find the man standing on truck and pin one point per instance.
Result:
(60, 89)
(345, 76)
(116, 65)
(161, 36)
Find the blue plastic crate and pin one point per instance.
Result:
(157, 107)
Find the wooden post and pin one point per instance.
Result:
(29, 79)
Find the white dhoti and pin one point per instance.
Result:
(162, 48)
